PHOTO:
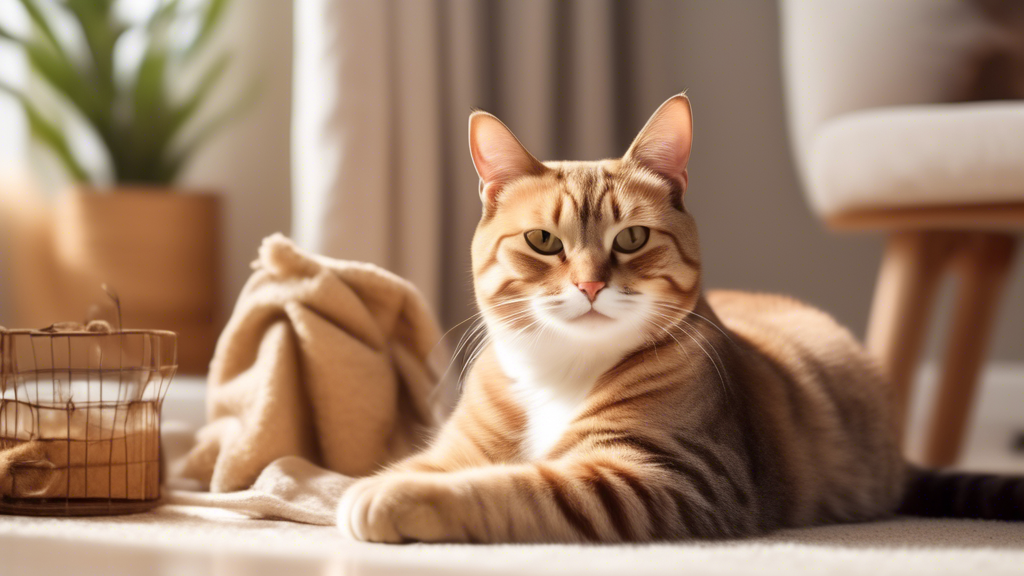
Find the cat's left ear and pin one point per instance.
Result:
(498, 155)
(664, 144)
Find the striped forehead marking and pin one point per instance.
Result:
(585, 188)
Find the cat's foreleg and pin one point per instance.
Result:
(595, 500)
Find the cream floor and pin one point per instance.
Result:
(183, 540)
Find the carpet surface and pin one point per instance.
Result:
(175, 539)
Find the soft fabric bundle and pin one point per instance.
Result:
(324, 360)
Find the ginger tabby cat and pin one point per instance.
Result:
(615, 401)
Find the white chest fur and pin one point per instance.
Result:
(551, 385)
(549, 411)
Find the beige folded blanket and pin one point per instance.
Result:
(324, 360)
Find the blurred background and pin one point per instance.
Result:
(354, 143)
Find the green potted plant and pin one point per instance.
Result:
(130, 225)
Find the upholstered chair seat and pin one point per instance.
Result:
(904, 157)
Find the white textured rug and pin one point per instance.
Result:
(185, 540)
(177, 540)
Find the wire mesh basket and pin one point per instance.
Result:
(80, 419)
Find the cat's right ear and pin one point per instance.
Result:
(498, 155)
(664, 144)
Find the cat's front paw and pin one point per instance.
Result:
(400, 507)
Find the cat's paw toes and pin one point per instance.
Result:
(397, 508)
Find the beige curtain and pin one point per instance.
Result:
(382, 90)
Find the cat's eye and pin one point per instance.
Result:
(631, 239)
(543, 242)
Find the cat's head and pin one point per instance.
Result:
(586, 251)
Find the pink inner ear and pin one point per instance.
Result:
(492, 163)
(665, 154)
(664, 144)
(497, 154)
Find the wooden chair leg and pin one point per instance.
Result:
(911, 269)
(982, 264)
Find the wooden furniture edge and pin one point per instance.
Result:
(987, 217)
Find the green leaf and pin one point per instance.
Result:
(10, 90)
(212, 16)
(51, 61)
(8, 36)
(36, 15)
(148, 95)
(170, 168)
(52, 136)
(101, 33)
(49, 134)
(163, 16)
(138, 121)
(149, 112)
(61, 74)
(140, 141)
(183, 113)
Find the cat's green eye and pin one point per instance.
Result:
(543, 242)
(631, 239)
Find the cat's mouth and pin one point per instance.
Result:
(590, 316)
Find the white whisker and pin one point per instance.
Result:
(675, 321)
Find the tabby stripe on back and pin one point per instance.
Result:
(843, 410)
(715, 463)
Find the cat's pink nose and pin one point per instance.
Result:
(591, 289)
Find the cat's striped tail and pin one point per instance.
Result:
(963, 495)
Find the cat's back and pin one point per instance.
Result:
(829, 400)
(806, 344)
(776, 324)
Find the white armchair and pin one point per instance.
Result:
(907, 118)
